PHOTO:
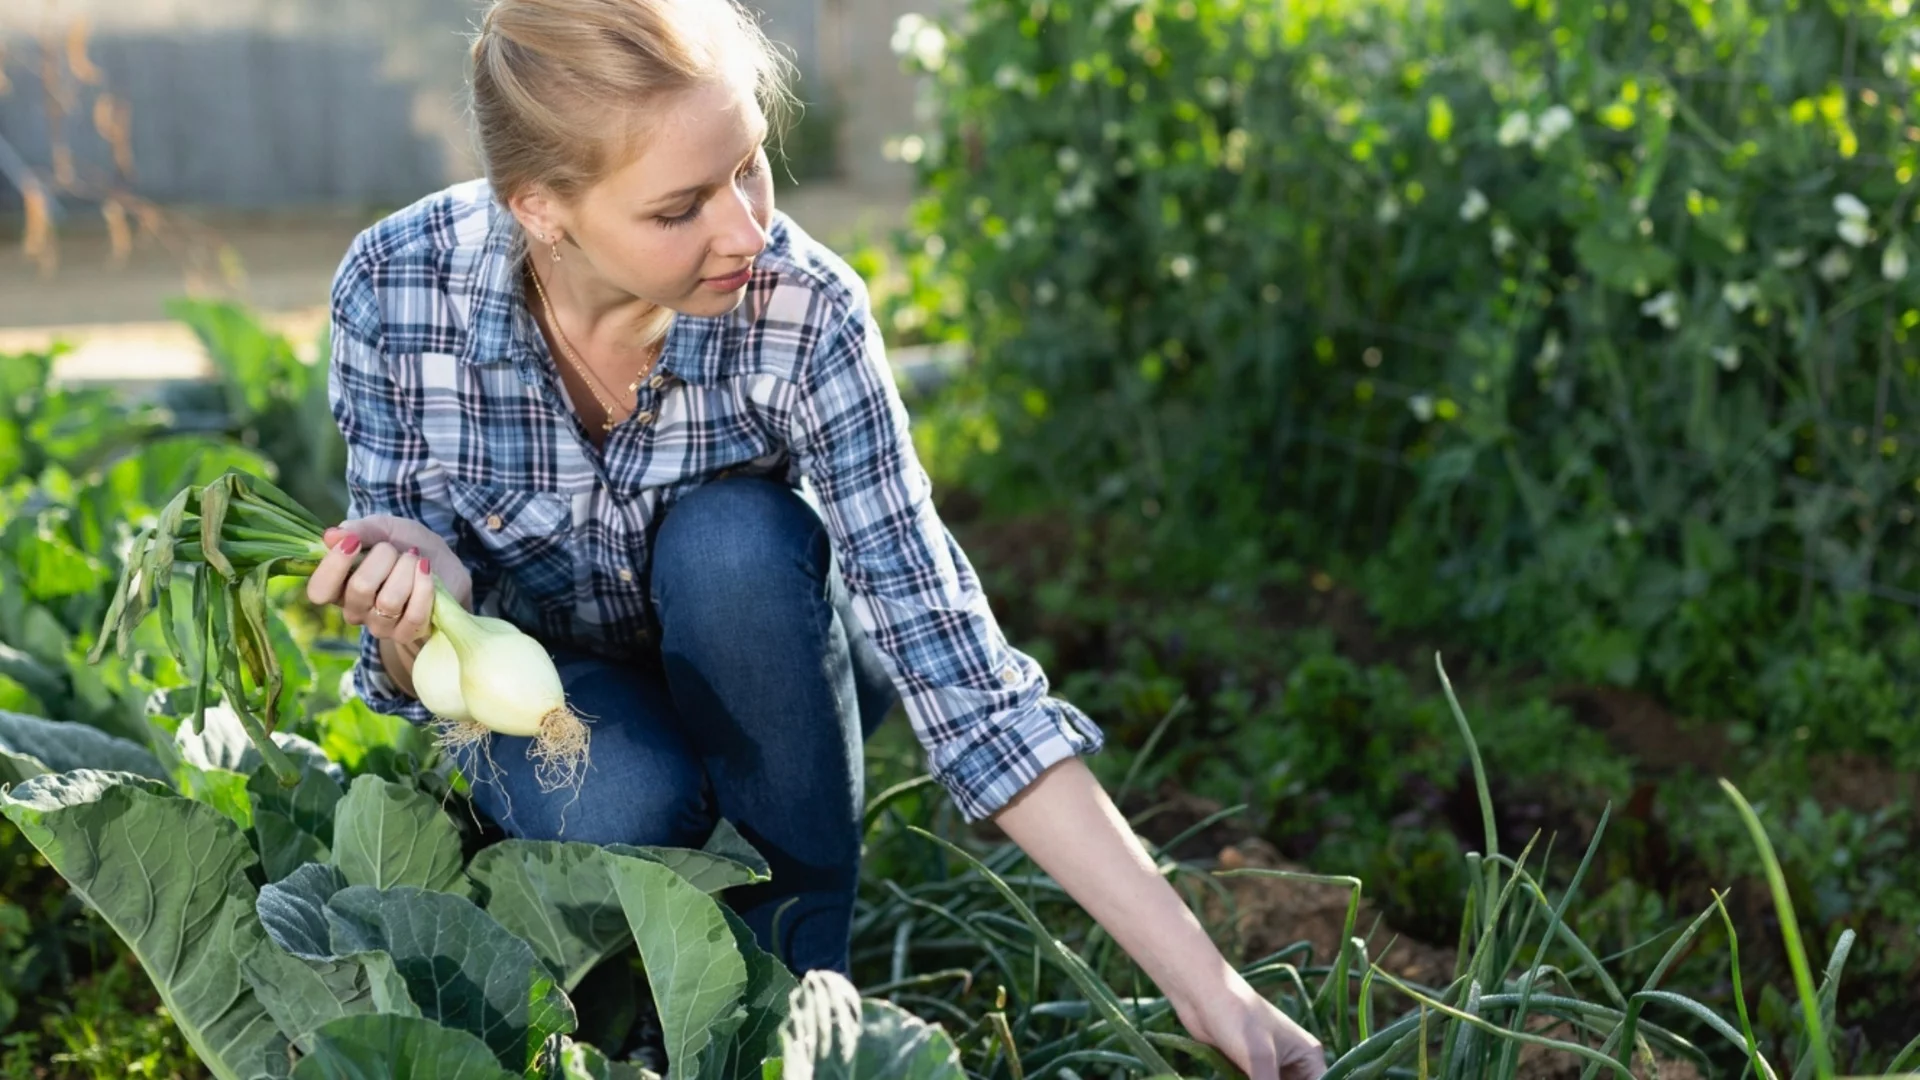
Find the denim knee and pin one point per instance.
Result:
(738, 548)
(644, 784)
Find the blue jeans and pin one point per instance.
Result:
(754, 709)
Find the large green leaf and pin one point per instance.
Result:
(461, 968)
(30, 746)
(581, 1062)
(696, 971)
(284, 846)
(550, 1017)
(397, 1048)
(169, 875)
(558, 897)
(304, 995)
(765, 1002)
(724, 861)
(289, 823)
(366, 741)
(43, 681)
(387, 834)
(831, 1034)
(222, 743)
(294, 911)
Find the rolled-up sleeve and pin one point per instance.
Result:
(980, 707)
(389, 469)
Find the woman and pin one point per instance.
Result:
(611, 395)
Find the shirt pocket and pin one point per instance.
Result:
(527, 535)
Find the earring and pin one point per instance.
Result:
(555, 244)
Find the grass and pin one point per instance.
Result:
(1050, 974)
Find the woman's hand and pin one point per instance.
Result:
(1069, 825)
(390, 590)
(1263, 1042)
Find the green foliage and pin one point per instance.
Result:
(274, 401)
(1592, 321)
(382, 956)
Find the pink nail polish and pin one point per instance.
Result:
(350, 545)
(426, 566)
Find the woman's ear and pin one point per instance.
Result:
(537, 211)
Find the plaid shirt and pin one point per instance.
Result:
(454, 417)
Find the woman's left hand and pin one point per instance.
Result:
(1263, 1042)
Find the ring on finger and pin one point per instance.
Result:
(388, 615)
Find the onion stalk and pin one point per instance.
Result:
(238, 532)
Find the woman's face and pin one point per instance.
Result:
(680, 225)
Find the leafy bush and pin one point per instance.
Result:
(1593, 322)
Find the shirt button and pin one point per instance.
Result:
(494, 522)
(656, 382)
(626, 574)
(643, 417)
(1009, 675)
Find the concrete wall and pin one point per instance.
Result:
(288, 103)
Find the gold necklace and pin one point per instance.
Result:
(593, 382)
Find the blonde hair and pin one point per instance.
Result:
(562, 88)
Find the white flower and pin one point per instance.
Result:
(1789, 258)
(905, 28)
(1854, 227)
(1075, 198)
(1067, 158)
(1180, 266)
(1834, 265)
(1215, 223)
(912, 149)
(914, 35)
(1549, 355)
(1893, 261)
(1739, 295)
(1046, 292)
(1474, 206)
(1850, 207)
(1389, 211)
(1215, 90)
(1503, 239)
(930, 47)
(1422, 406)
(1515, 129)
(1555, 122)
(1006, 77)
(1727, 356)
(1665, 307)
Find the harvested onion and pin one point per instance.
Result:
(232, 536)
(436, 680)
(479, 675)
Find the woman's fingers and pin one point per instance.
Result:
(418, 620)
(390, 603)
(326, 583)
(363, 588)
